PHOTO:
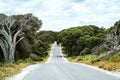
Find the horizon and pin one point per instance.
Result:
(57, 15)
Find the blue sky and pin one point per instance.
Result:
(60, 14)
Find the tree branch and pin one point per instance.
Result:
(19, 40)
(15, 37)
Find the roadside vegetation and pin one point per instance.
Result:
(10, 69)
(92, 45)
(21, 43)
(111, 64)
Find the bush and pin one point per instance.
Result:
(19, 61)
(28, 60)
(79, 58)
(95, 60)
(8, 65)
(115, 57)
(85, 51)
(34, 57)
(45, 54)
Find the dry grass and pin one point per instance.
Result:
(113, 64)
(71, 59)
(7, 70)
(107, 65)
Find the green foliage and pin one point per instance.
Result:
(47, 36)
(43, 39)
(115, 57)
(35, 57)
(89, 57)
(33, 42)
(24, 49)
(112, 28)
(96, 59)
(79, 58)
(80, 39)
(20, 61)
(28, 60)
(85, 51)
(17, 27)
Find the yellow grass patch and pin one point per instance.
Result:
(111, 64)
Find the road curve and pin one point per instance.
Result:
(56, 68)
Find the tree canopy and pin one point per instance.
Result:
(78, 39)
(15, 28)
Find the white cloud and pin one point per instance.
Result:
(60, 14)
(80, 8)
(3, 7)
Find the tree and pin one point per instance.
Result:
(111, 43)
(43, 39)
(12, 29)
(47, 36)
(79, 39)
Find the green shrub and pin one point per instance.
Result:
(45, 54)
(34, 57)
(115, 57)
(9, 65)
(19, 61)
(79, 58)
(85, 51)
(95, 60)
(28, 60)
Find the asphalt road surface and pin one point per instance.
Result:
(57, 68)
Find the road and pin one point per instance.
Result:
(57, 68)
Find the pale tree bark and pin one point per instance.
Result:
(8, 41)
(113, 40)
(111, 44)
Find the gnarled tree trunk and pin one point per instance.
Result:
(111, 44)
(7, 41)
(8, 38)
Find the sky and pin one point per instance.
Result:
(57, 15)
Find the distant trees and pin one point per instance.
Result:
(13, 29)
(80, 40)
(44, 39)
(47, 36)
(19, 38)
(89, 39)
